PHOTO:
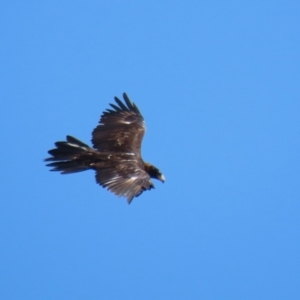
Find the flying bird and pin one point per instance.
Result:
(115, 155)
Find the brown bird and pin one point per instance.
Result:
(116, 153)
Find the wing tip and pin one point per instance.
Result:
(127, 105)
(131, 105)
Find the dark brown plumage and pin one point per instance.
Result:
(116, 153)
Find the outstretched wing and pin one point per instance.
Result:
(120, 129)
(126, 179)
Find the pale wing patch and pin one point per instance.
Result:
(125, 184)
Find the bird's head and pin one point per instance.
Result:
(154, 172)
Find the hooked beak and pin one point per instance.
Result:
(162, 178)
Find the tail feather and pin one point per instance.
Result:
(67, 167)
(63, 152)
(71, 156)
(74, 141)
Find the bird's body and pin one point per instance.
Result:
(116, 155)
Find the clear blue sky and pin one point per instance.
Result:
(218, 85)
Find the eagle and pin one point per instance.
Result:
(115, 155)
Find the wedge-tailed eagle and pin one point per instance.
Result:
(116, 153)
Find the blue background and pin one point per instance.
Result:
(218, 85)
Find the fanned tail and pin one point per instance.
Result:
(70, 156)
